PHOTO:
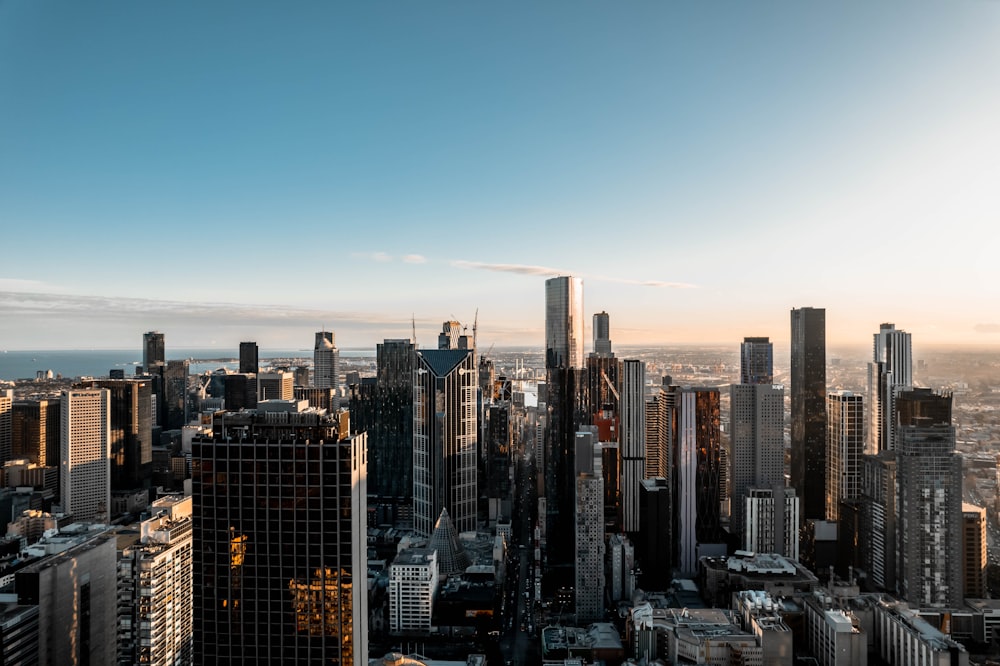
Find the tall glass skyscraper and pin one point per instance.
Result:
(153, 351)
(326, 361)
(844, 446)
(563, 363)
(808, 393)
(280, 545)
(890, 372)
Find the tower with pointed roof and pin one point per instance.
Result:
(445, 427)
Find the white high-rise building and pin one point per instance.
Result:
(771, 527)
(633, 439)
(156, 589)
(413, 583)
(889, 373)
(326, 361)
(85, 459)
(589, 529)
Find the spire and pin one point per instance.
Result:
(452, 558)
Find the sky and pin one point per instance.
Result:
(248, 170)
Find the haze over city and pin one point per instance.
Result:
(246, 170)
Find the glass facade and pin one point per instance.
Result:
(808, 406)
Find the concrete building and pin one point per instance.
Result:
(621, 567)
(929, 482)
(413, 585)
(835, 636)
(275, 386)
(771, 526)
(74, 585)
(878, 519)
(759, 615)
(18, 632)
(6, 424)
(589, 522)
(902, 637)
(85, 442)
(156, 589)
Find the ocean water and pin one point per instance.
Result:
(16, 365)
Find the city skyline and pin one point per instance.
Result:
(703, 169)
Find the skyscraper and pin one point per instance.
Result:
(697, 474)
(326, 361)
(445, 433)
(633, 440)
(757, 442)
(845, 444)
(153, 351)
(280, 546)
(602, 334)
(249, 358)
(808, 406)
(175, 381)
(974, 551)
(390, 438)
(878, 519)
(929, 479)
(890, 372)
(6, 424)
(130, 431)
(589, 537)
(156, 589)
(756, 361)
(563, 365)
(35, 429)
(85, 475)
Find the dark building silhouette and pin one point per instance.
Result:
(654, 542)
(240, 391)
(249, 358)
(808, 407)
(175, 381)
(131, 431)
(280, 541)
(153, 351)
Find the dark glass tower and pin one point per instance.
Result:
(280, 554)
(563, 369)
(756, 361)
(808, 393)
(249, 358)
(153, 351)
(131, 432)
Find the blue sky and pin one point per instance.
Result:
(241, 170)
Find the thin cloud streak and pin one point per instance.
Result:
(522, 269)
(415, 259)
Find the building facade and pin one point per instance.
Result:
(633, 439)
(445, 434)
(85, 465)
(890, 372)
(845, 443)
(326, 361)
(808, 410)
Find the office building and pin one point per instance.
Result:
(602, 334)
(657, 435)
(633, 440)
(845, 443)
(85, 461)
(697, 475)
(973, 551)
(452, 337)
(655, 543)
(929, 482)
(130, 431)
(756, 361)
(413, 585)
(902, 636)
(18, 633)
(175, 388)
(35, 430)
(240, 391)
(757, 440)
(878, 519)
(275, 386)
(156, 589)
(249, 358)
(563, 369)
(71, 578)
(390, 439)
(808, 407)
(6, 424)
(280, 544)
(154, 353)
(771, 526)
(621, 567)
(589, 522)
(326, 361)
(890, 372)
(445, 434)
